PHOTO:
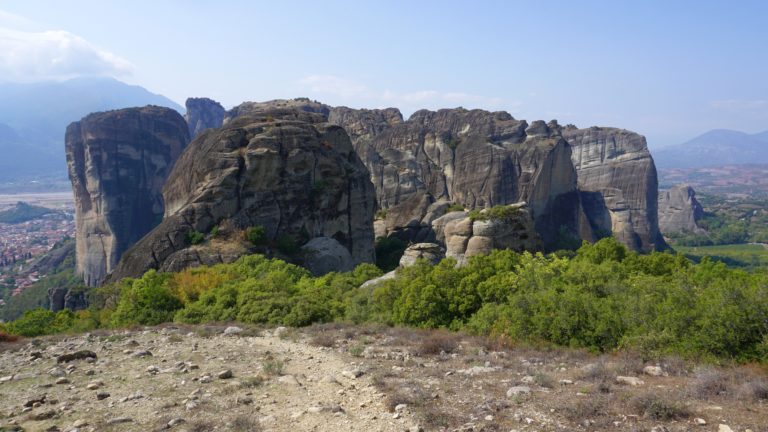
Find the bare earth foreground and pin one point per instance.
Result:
(339, 378)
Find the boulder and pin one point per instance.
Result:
(465, 235)
(118, 162)
(324, 255)
(282, 169)
(430, 252)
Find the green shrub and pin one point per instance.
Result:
(256, 235)
(195, 237)
(389, 250)
(454, 207)
(36, 322)
(499, 212)
(287, 245)
(146, 301)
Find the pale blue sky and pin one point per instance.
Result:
(667, 69)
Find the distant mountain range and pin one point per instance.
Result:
(715, 148)
(34, 117)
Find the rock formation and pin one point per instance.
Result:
(202, 114)
(465, 235)
(474, 158)
(274, 166)
(617, 183)
(118, 162)
(679, 210)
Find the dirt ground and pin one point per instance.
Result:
(347, 378)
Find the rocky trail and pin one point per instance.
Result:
(350, 378)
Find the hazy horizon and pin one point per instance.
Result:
(668, 71)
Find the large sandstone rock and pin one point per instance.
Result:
(474, 158)
(118, 162)
(466, 235)
(202, 114)
(679, 210)
(618, 184)
(278, 167)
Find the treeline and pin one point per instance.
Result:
(601, 297)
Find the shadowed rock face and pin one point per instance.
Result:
(475, 158)
(679, 210)
(618, 184)
(202, 114)
(118, 162)
(278, 167)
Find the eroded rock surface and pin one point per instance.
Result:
(118, 162)
(679, 210)
(202, 114)
(277, 167)
(618, 185)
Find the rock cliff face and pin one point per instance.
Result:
(278, 167)
(118, 162)
(618, 184)
(679, 210)
(202, 114)
(474, 158)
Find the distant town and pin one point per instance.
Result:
(22, 243)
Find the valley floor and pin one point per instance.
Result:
(346, 378)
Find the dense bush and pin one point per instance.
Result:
(601, 297)
(257, 235)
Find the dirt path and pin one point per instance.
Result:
(276, 385)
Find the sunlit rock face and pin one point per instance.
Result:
(118, 162)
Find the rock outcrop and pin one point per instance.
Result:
(277, 167)
(118, 162)
(202, 114)
(617, 183)
(679, 210)
(465, 235)
(474, 158)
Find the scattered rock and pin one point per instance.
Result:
(35, 400)
(102, 395)
(225, 374)
(233, 330)
(288, 379)
(62, 380)
(653, 371)
(142, 354)
(79, 355)
(629, 380)
(353, 374)
(724, 428)
(119, 420)
(700, 421)
(518, 390)
(176, 422)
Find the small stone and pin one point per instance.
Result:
(225, 374)
(153, 369)
(102, 395)
(62, 380)
(142, 354)
(119, 420)
(653, 371)
(191, 405)
(518, 390)
(79, 424)
(400, 407)
(35, 400)
(206, 379)
(176, 422)
(6, 378)
(57, 372)
(566, 382)
(45, 415)
(699, 421)
(233, 330)
(629, 380)
(489, 418)
(353, 374)
(95, 385)
(724, 428)
(288, 379)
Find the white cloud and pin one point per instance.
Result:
(51, 55)
(349, 92)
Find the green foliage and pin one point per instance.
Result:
(287, 245)
(601, 297)
(256, 235)
(381, 213)
(454, 207)
(499, 212)
(215, 231)
(146, 301)
(389, 250)
(195, 237)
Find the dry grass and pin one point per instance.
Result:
(5, 337)
(655, 406)
(327, 340)
(438, 342)
(244, 423)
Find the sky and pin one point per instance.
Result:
(669, 70)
